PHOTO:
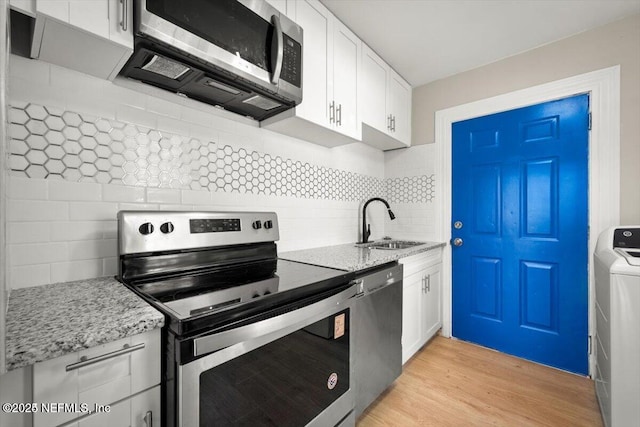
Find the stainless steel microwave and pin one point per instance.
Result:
(242, 55)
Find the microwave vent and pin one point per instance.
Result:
(262, 102)
(165, 67)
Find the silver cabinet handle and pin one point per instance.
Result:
(148, 419)
(277, 49)
(389, 122)
(429, 283)
(393, 123)
(332, 112)
(86, 362)
(125, 15)
(458, 241)
(339, 114)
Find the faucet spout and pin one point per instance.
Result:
(366, 228)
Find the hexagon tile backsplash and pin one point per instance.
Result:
(50, 143)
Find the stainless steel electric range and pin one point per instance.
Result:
(250, 339)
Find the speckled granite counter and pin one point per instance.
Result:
(48, 321)
(354, 258)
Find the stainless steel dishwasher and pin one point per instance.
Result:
(377, 333)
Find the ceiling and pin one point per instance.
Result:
(427, 40)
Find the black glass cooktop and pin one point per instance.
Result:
(229, 293)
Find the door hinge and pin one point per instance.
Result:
(590, 120)
(590, 344)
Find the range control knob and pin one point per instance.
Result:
(257, 225)
(146, 228)
(268, 224)
(167, 227)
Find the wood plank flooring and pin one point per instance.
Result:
(453, 383)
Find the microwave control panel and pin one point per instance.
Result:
(291, 61)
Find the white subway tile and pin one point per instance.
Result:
(137, 207)
(92, 211)
(92, 249)
(76, 270)
(38, 253)
(109, 229)
(29, 275)
(110, 266)
(177, 207)
(74, 191)
(173, 126)
(195, 197)
(123, 193)
(125, 95)
(28, 232)
(28, 188)
(163, 195)
(29, 69)
(67, 231)
(37, 210)
(163, 108)
(136, 116)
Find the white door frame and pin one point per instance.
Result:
(604, 162)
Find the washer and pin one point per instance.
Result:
(617, 273)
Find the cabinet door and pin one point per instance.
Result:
(346, 57)
(55, 9)
(432, 307)
(373, 93)
(145, 408)
(280, 5)
(412, 301)
(119, 415)
(400, 107)
(121, 22)
(90, 15)
(314, 18)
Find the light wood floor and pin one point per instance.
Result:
(453, 383)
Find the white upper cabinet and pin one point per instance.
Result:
(343, 81)
(314, 19)
(329, 112)
(281, 5)
(386, 104)
(399, 107)
(91, 36)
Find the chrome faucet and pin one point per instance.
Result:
(366, 228)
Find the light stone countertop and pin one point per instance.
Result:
(354, 257)
(48, 321)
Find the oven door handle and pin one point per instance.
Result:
(215, 342)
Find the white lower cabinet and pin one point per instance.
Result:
(421, 300)
(119, 380)
(141, 410)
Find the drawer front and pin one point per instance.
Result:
(414, 263)
(96, 376)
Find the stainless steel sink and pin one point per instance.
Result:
(391, 244)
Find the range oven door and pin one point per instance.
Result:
(294, 369)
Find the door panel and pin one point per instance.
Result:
(520, 281)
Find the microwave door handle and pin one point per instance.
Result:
(277, 49)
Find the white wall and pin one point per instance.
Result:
(61, 219)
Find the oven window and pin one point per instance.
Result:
(225, 23)
(287, 382)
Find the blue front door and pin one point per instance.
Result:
(519, 204)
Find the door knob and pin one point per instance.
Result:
(457, 241)
(457, 225)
